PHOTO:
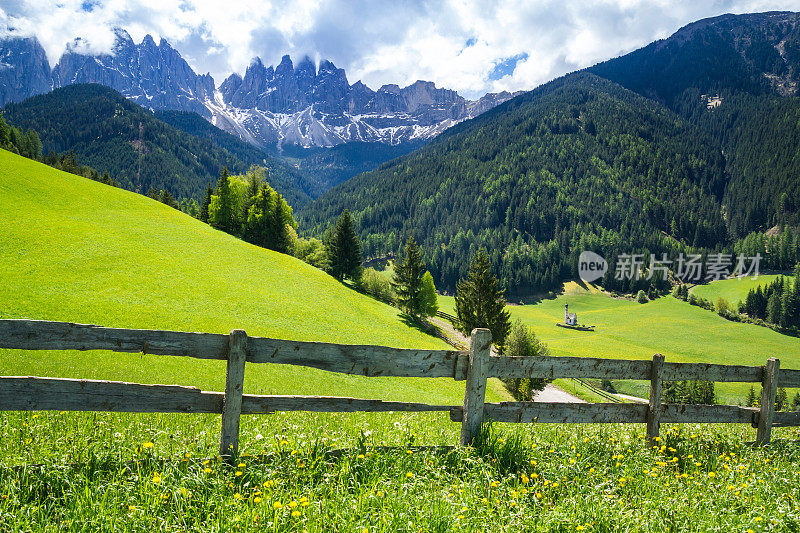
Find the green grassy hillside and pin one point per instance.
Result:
(732, 290)
(77, 250)
(628, 330)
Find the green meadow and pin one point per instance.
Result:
(75, 250)
(733, 290)
(79, 251)
(629, 330)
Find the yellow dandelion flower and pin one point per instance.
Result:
(361, 456)
(494, 484)
(296, 514)
(579, 528)
(303, 499)
(538, 495)
(257, 499)
(292, 504)
(712, 474)
(237, 496)
(240, 465)
(277, 505)
(757, 519)
(207, 470)
(409, 475)
(284, 442)
(147, 445)
(525, 479)
(156, 478)
(238, 473)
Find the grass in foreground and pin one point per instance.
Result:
(532, 478)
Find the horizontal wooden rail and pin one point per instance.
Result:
(343, 358)
(612, 413)
(26, 393)
(474, 366)
(638, 369)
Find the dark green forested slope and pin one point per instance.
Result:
(758, 53)
(578, 163)
(110, 133)
(752, 62)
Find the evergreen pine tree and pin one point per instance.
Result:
(224, 218)
(205, 204)
(278, 225)
(344, 249)
(774, 307)
(409, 271)
(480, 302)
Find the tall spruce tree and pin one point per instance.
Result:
(206, 203)
(344, 249)
(407, 282)
(224, 218)
(480, 302)
(280, 235)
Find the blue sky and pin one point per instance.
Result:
(471, 46)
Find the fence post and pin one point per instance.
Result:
(234, 385)
(769, 388)
(480, 347)
(654, 409)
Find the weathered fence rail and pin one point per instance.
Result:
(20, 393)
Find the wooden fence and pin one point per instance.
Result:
(474, 366)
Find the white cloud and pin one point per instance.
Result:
(456, 43)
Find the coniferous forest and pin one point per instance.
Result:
(580, 163)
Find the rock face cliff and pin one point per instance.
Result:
(302, 104)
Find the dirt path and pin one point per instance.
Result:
(551, 393)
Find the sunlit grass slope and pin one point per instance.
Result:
(79, 251)
(732, 290)
(629, 330)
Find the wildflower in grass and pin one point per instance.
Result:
(361, 456)
(293, 504)
(147, 445)
(187, 455)
(184, 492)
(712, 474)
(207, 470)
(269, 484)
(238, 473)
(240, 465)
(579, 528)
(257, 499)
(757, 519)
(277, 505)
(538, 495)
(296, 514)
(410, 475)
(525, 479)
(494, 484)
(237, 496)
(156, 478)
(301, 464)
